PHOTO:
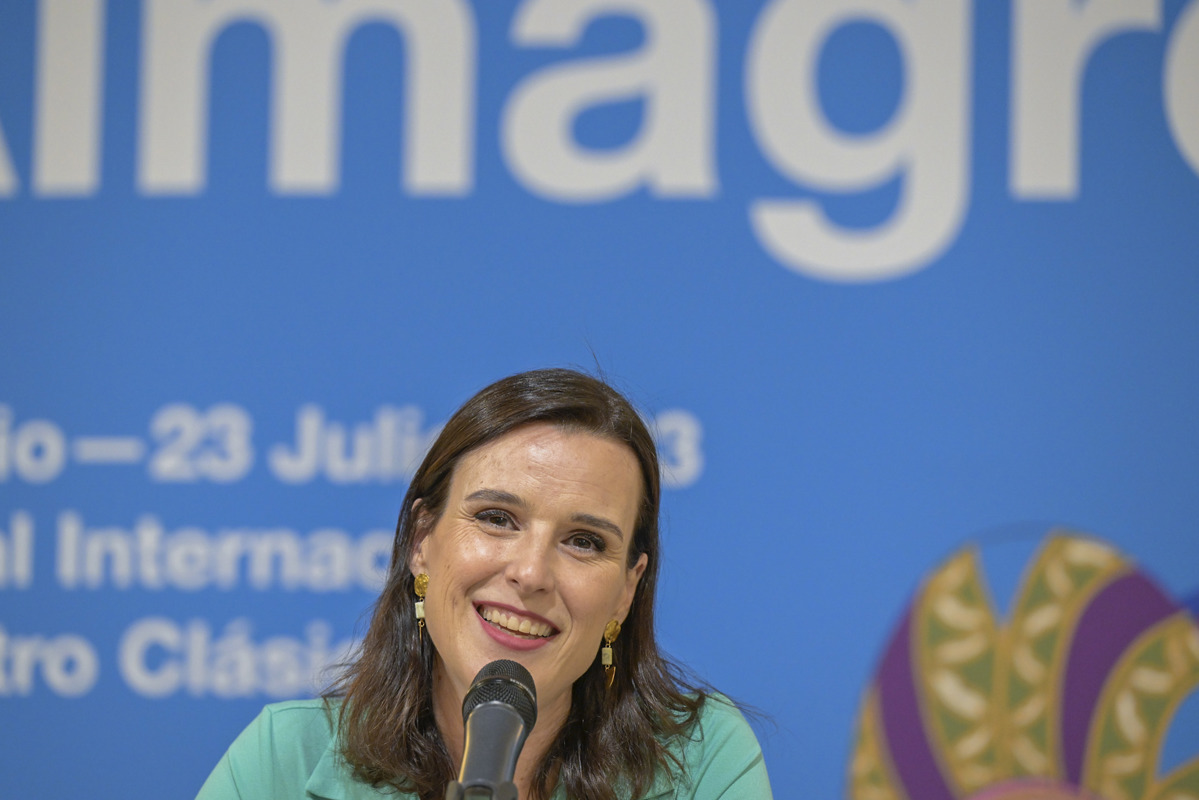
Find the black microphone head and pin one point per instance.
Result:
(505, 682)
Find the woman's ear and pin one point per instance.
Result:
(630, 590)
(421, 525)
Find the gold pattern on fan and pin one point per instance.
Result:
(959, 652)
(1067, 574)
(1135, 709)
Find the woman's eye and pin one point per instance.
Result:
(495, 518)
(588, 541)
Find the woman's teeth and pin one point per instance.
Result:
(515, 624)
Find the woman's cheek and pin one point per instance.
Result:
(483, 545)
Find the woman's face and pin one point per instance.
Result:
(529, 559)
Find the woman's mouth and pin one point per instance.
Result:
(515, 624)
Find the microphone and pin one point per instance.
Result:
(499, 711)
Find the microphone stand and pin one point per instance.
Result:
(495, 733)
(497, 714)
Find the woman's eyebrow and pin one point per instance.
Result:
(509, 499)
(497, 496)
(598, 522)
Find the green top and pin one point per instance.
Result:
(289, 752)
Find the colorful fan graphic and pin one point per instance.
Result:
(1072, 698)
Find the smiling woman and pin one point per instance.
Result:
(532, 554)
(532, 526)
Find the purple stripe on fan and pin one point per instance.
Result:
(899, 706)
(1116, 616)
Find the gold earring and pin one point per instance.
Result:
(611, 631)
(421, 586)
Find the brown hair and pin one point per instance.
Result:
(612, 738)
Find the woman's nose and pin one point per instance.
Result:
(530, 565)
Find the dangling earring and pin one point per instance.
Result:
(421, 587)
(611, 631)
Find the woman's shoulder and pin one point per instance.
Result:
(287, 746)
(720, 723)
(721, 710)
(721, 755)
(299, 715)
(299, 729)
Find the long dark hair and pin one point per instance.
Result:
(613, 738)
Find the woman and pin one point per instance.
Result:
(530, 532)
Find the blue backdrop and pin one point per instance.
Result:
(889, 275)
